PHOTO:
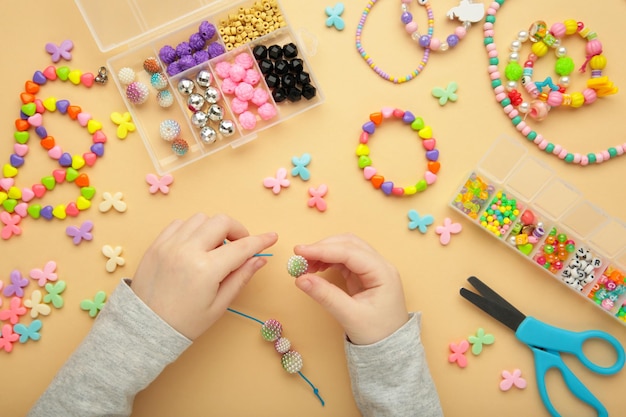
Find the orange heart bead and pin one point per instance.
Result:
(82, 180)
(47, 142)
(27, 98)
(22, 125)
(74, 111)
(377, 118)
(377, 181)
(433, 166)
(31, 87)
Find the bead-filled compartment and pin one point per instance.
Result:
(237, 96)
(572, 240)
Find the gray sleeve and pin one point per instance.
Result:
(391, 377)
(127, 348)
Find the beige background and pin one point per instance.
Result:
(230, 371)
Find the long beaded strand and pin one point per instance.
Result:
(513, 114)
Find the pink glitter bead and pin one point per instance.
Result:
(247, 120)
(260, 97)
(137, 92)
(237, 72)
(245, 60)
(222, 69)
(267, 111)
(228, 86)
(252, 77)
(238, 106)
(244, 91)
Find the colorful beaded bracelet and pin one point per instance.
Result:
(428, 142)
(370, 61)
(16, 202)
(501, 97)
(466, 12)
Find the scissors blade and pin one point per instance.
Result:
(493, 304)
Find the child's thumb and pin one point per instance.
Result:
(329, 296)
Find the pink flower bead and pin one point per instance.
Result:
(252, 77)
(239, 106)
(260, 97)
(228, 86)
(245, 60)
(222, 69)
(247, 120)
(244, 91)
(237, 72)
(267, 111)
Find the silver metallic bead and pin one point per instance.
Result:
(514, 56)
(212, 95)
(511, 85)
(227, 127)
(522, 36)
(186, 86)
(195, 102)
(199, 119)
(515, 46)
(204, 78)
(216, 112)
(208, 135)
(560, 51)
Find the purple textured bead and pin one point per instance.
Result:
(215, 49)
(406, 17)
(186, 62)
(206, 30)
(173, 69)
(197, 42)
(167, 54)
(183, 49)
(201, 56)
(452, 40)
(424, 41)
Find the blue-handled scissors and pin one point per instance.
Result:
(547, 343)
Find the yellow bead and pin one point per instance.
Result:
(598, 62)
(571, 26)
(539, 48)
(15, 193)
(577, 100)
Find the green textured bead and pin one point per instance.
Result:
(488, 40)
(490, 18)
(505, 102)
(569, 158)
(513, 71)
(592, 158)
(516, 120)
(612, 152)
(564, 66)
(549, 148)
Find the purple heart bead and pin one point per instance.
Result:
(65, 160)
(62, 106)
(39, 78)
(98, 148)
(408, 117)
(41, 132)
(46, 212)
(432, 155)
(16, 161)
(387, 186)
(23, 116)
(369, 127)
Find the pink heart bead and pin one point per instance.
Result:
(6, 183)
(21, 209)
(90, 158)
(387, 112)
(369, 172)
(55, 152)
(59, 175)
(50, 73)
(430, 178)
(429, 144)
(87, 79)
(99, 137)
(20, 149)
(83, 118)
(364, 138)
(39, 108)
(39, 190)
(27, 194)
(35, 120)
(398, 113)
(72, 209)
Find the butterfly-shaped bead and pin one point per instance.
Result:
(512, 379)
(11, 223)
(419, 222)
(112, 201)
(42, 276)
(94, 306)
(124, 124)
(7, 338)
(80, 233)
(15, 310)
(159, 184)
(36, 306)
(300, 166)
(114, 257)
(278, 182)
(28, 332)
(458, 353)
(17, 285)
(54, 293)
(447, 94)
(479, 340)
(334, 16)
(446, 231)
(61, 51)
(317, 197)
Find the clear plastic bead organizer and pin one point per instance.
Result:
(140, 28)
(525, 206)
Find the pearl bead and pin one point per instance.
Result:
(564, 81)
(561, 51)
(515, 46)
(514, 56)
(557, 43)
(522, 36)
(524, 107)
(511, 85)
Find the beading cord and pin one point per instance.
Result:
(501, 96)
(368, 59)
(547, 94)
(271, 331)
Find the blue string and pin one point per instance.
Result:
(256, 254)
(315, 390)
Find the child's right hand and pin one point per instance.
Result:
(373, 307)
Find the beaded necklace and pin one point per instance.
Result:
(501, 96)
(368, 59)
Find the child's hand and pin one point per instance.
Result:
(189, 277)
(374, 305)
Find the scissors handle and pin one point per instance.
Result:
(546, 360)
(538, 334)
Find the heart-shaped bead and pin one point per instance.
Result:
(59, 176)
(421, 185)
(59, 212)
(433, 166)
(430, 178)
(35, 120)
(29, 109)
(73, 111)
(377, 181)
(14, 193)
(47, 143)
(55, 152)
(87, 79)
(41, 132)
(9, 171)
(387, 187)
(408, 117)
(82, 203)
(21, 137)
(387, 112)
(49, 182)
(50, 104)
(364, 137)
(9, 204)
(90, 158)
(27, 195)
(27, 98)
(62, 106)
(93, 126)
(362, 149)
(399, 113)
(526, 248)
(39, 190)
(21, 209)
(417, 124)
(65, 160)
(39, 77)
(21, 125)
(71, 174)
(410, 190)
(82, 180)
(50, 73)
(16, 160)
(74, 76)
(369, 127)
(34, 211)
(78, 162)
(6, 183)
(39, 107)
(432, 155)
(46, 212)
(364, 161)
(377, 118)
(31, 87)
(426, 132)
(369, 172)
(72, 209)
(63, 72)
(429, 144)
(397, 191)
(83, 118)
(99, 137)
(88, 192)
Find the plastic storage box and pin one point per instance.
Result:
(527, 208)
(253, 34)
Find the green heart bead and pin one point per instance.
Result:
(29, 109)
(88, 192)
(9, 204)
(526, 249)
(34, 211)
(421, 185)
(49, 182)
(71, 174)
(364, 161)
(418, 124)
(21, 137)
(63, 72)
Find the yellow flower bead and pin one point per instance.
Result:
(598, 62)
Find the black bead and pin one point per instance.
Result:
(266, 66)
(279, 95)
(259, 52)
(275, 52)
(290, 50)
(281, 67)
(294, 94)
(288, 80)
(296, 65)
(308, 91)
(272, 80)
(303, 78)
